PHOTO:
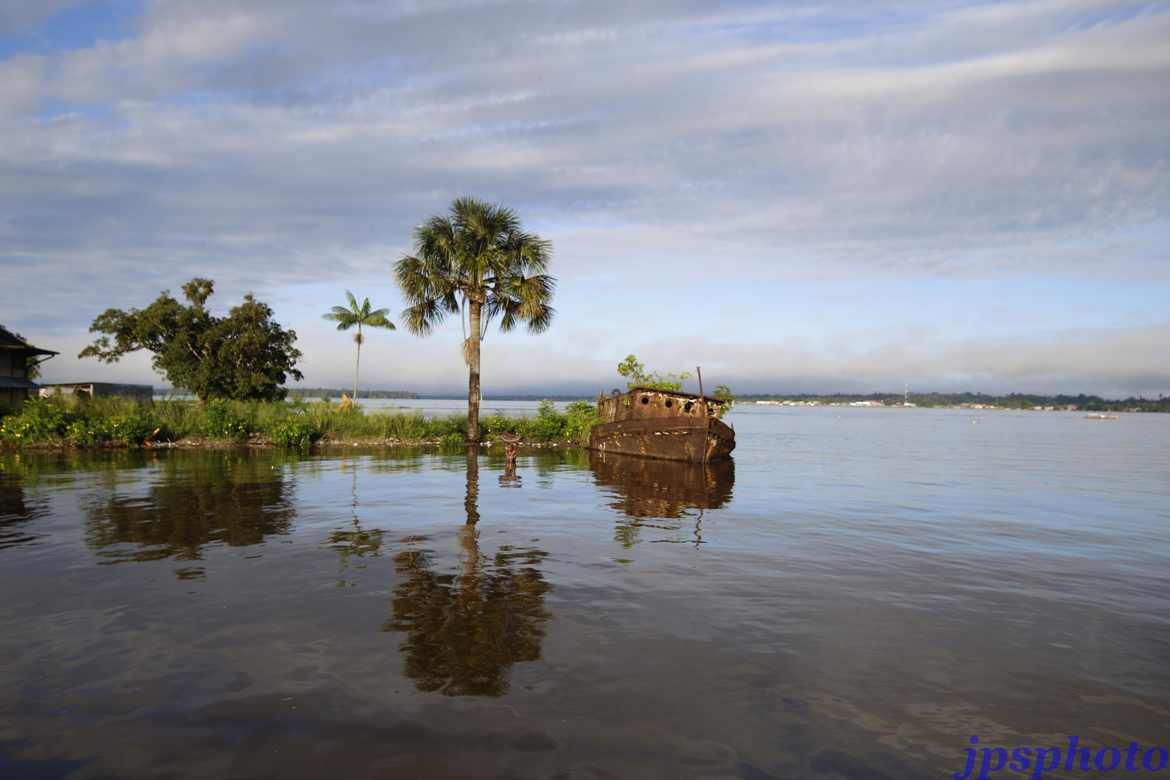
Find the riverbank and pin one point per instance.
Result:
(114, 423)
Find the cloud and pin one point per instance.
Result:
(273, 144)
(18, 17)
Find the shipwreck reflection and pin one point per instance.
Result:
(465, 628)
(661, 494)
(228, 498)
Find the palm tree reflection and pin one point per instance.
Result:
(658, 494)
(355, 542)
(465, 631)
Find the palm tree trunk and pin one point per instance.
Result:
(357, 362)
(473, 327)
(468, 535)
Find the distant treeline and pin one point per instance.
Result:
(1082, 402)
(333, 392)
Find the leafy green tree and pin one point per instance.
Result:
(637, 376)
(359, 317)
(245, 355)
(478, 262)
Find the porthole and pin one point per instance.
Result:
(690, 405)
(645, 399)
(669, 403)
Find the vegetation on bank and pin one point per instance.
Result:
(115, 422)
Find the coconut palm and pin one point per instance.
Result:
(361, 317)
(476, 262)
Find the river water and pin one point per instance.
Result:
(856, 596)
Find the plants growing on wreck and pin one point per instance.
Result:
(723, 393)
(479, 263)
(637, 376)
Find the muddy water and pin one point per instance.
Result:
(856, 596)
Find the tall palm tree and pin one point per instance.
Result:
(478, 263)
(359, 316)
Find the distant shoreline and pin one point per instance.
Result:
(1019, 401)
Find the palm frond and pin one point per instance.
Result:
(477, 252)
(540, 319)
(378, 319)
(422, 318)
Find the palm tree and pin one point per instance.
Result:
(477, 262)
(361, 316)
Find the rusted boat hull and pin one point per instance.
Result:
(683, 438)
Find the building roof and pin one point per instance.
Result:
(15, 342)
(103, 385)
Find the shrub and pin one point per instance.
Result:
(580, 417)
(223, 421)
(493, 425)
(294, 432)
(124, 430)
(83, 433)
(549, 424)
(39, 419)
(450, 426)
(130, 429)
(403, 426)
(453, 439)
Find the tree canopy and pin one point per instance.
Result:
(476, 262)
(244, 356)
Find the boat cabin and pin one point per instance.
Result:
(647, 403)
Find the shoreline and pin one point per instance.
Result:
(323, 444)
(111, 423)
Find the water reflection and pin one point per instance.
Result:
(647, 489)
(464, 631)
(17, 512)
(230, 498)
(355, 541)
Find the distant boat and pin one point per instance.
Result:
(662, 424)
(1102, 417)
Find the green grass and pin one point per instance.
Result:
(115, 422)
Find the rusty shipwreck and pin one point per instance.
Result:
(662, 424)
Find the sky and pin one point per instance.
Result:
(797, 196)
